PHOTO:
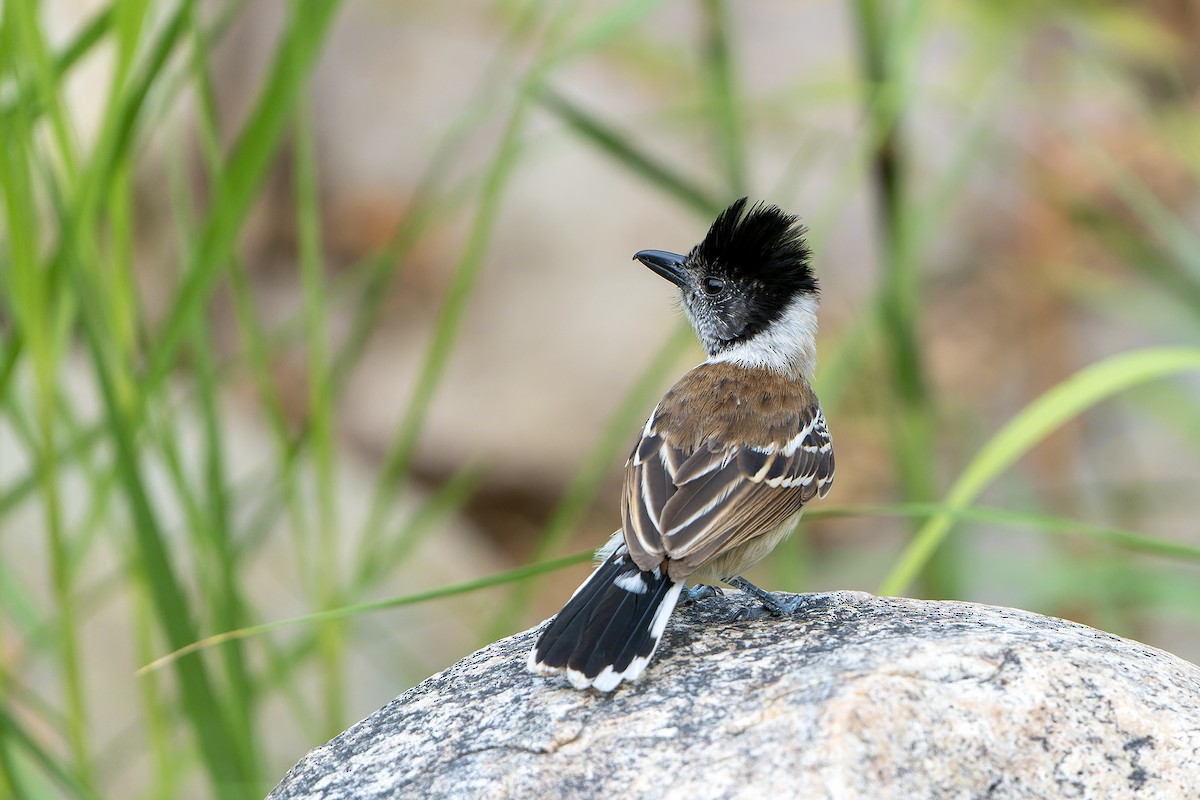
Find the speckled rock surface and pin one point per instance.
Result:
(855, 696)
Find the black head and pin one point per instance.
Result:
(751, 267)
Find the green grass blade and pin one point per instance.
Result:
(243, 173)
(80, 45)
(14, 735)
(219, 552)
(611, 445)
(625, 152)
(615, 22)
(1116, 537)
(466, 587)
(170, 601)
(888, 35)
(326, 575)
(442, 503)
(1061, 403)
(403, 447)
(1177, 238)
(725, 110)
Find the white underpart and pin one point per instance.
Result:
(787, 345)
(737, 560)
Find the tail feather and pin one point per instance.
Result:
(608, 631)
(653, 622)
(562, 638)
(640, 649)
(628, 625)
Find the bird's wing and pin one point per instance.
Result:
(692, 506)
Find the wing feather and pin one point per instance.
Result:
(690, 503)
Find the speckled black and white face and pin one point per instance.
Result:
(729, 330)
(727, 308)
(748, 286)
(722, 310)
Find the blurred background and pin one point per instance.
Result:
(319, 333)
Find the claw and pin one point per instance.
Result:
(770, 603)
(701, 591)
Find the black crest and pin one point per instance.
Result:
(764, 246)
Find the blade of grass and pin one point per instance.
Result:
(170, 601)
(45, 760)
(1177, 238)
(1171, 282)
(20, 489)
(88, 37)
(155, 711)
(612, 443)
(243, 173)
(112, 149)
(213, 524)
(887, 35)
(224, 764)
(398, 459)
(722, 92)
(214, 528)
(37, 71)
(498, 579)
(1117, 537)
(10, 779)
(1061, 403)
(621, 148)
(325, 575)
(38, 307)
(614, 22)
(443, 501)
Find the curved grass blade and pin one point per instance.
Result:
(623, 150)
(1117, 537)
(500, 578)
(1068, 399)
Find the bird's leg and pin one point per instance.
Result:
(701, 591)
(770, 602)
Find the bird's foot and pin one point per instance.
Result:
(701, 591)
(771, 604)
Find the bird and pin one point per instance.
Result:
(721, 471)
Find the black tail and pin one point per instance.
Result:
(608, 631)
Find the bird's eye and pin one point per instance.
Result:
(713, 286)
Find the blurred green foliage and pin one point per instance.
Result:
(69, 294)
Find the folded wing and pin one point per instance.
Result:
(690, 507)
